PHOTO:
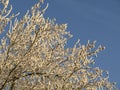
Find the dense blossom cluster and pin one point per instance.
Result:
(33, 55)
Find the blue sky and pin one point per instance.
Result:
(88, 20)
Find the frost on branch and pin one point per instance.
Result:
(33, 55)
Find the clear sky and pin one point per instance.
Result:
(88, 20)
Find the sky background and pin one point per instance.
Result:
(87, 20)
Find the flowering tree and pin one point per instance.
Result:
(33, 55)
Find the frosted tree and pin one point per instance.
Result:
(33, 55)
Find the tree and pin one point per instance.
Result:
(33, 55)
